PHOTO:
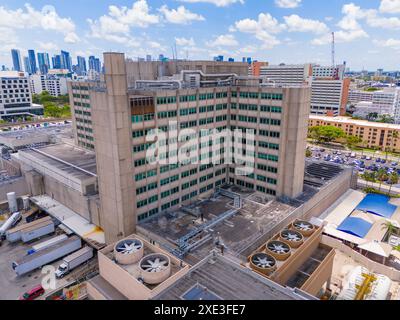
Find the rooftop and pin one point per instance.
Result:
(348, 120)
(259, 218)
(219, 278)
(74, 161)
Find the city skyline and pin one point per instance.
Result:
(290, 31)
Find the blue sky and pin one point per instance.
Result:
(290, 31)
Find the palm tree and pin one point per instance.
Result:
(393, 179)
(381, 176)
(390, 227)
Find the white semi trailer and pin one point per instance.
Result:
(37, 260)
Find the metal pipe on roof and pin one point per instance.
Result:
(64, 162)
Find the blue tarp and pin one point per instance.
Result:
(355, 226)
(377, 204)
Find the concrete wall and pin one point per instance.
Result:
(293, 141)
(111, 116)
(320, 276)
(372, 266)
(18, 185)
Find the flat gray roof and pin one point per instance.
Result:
(72, 160)
(237, 233)
(226, 280)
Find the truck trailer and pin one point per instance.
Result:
(37, 231)
(46, 244)
(15, 234)
(37, 260)
(74, 260)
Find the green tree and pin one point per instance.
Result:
(353, 141)
(308, 153)
(393, 179)
(326, 133)
(381, 176)
(390, 228)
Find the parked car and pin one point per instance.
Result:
(394, 164)
(33, 294)
(364, 157)
(378, 160)
(353, 155)
(368, 158)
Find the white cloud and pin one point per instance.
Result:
(298, 24)
(181, 15)
(390, 6)
(46, 19)
(218, 3)
(185, 42)
(224, 40)
(353, 14)
(263, 29)
(48, 46)
(389, 43)
(288, 4)
(341, 36)
(120, 19)
(116, 25)
(8, 39)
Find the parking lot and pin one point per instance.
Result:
(361, 162)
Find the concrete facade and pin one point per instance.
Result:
(111, 117)
(132, 189)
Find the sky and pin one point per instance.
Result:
(367, 32)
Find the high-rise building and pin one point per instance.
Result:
(15, 96)
(287, 74)
(81, 66)
(32, 61)
(191, 100)
(329, 97)
(94, 64)
(66, 61)
(16, 58)
(56, 60)
(27, 65)
(44, 62)
(53, 84)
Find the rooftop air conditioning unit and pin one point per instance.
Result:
(304, 227)
(128, 251)
(291, 237)
(278, 249)
(263, 263)
(155, 268)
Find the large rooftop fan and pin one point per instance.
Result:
(278, 249)
(304, 227)
(128, 247)
(263, 263)
(292, 238)
(156, 268)
(128, 251)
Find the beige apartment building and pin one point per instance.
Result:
(383, 136)
(113, 118)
